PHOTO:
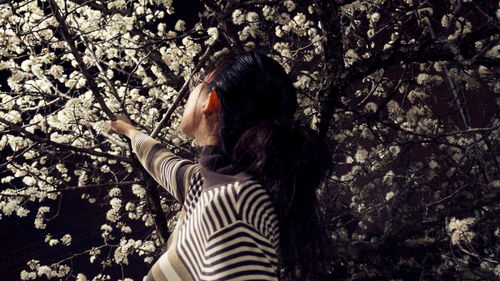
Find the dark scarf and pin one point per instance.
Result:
(216, 168)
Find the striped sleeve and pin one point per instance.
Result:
(239, 252)
(169, 170)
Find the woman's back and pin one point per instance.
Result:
(227, 229)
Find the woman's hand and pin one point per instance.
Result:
(122, 126)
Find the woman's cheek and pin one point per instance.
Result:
(183, 126)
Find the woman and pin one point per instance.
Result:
(249, 206)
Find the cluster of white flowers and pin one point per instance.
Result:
(388, 178)
(101, 277)
(361, 155)
(429, 80)
(81, 277)
(462, 26)
(116, 203)
(38, 271)
(16, 143)
(66, 239)
(51, 241)
(179, 58)
(94, 252)
(139, 191)
(10, 206)
(350, 56)
(127, 247)
(180, 25)
(389, 195)
(113, 214)
(290, 5)
(213, 33)
(82, 177)
(115, 191)
(40, 217)
(459, 229)
(238, 16)
(251, 29)
(417, 94)
(283, 49)
(303, 82)
(146, 247)
(148, 219)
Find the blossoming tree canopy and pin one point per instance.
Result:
(405, 91)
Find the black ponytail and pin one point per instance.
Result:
(259, 134)
(290, 161)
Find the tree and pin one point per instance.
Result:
(404, 91)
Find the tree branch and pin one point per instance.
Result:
(153, 194)
(36, 138)
(329, 15)
(430, 50)
(69, 188)
(64, 30)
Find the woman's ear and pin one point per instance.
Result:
(213, 103)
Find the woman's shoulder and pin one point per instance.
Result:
(253, 200)
(243, 192)
(256, 209)
(250, 192)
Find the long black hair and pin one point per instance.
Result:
(258, 132)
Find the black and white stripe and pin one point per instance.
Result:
(227, 232)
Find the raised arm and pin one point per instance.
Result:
(169, 170)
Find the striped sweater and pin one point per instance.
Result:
(227, 229)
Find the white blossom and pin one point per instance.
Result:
(375, 17)
(289, 4)
(25, 275)
(238, 17)
(29, 180)
(459, 229)
(81, 277)
(180, 25)
(389, 195)
(129, 206)
(112, 215)
(53, 242)
(39, 220)
(445, 21)
(44, 270)
(116, 203)
(115, 191)
(66, 239)
(213, 33)
(426, 79)
(361, 155)
(138, 190)
(252, 17)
